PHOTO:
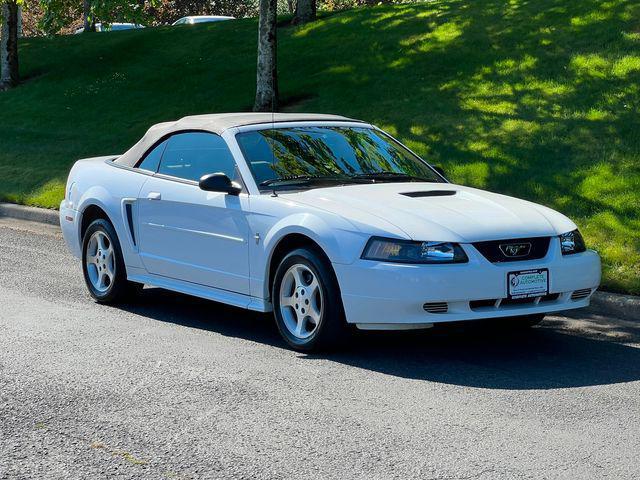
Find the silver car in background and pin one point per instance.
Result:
(201, 19)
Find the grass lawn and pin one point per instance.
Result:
(539, 99)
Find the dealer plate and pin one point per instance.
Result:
(528, 283)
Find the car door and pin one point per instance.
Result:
(187, 233)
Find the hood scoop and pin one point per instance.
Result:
(430, 193)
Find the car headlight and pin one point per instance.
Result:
(572, 242)
(408, 251)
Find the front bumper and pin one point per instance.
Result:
(378, 295)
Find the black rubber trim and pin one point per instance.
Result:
(491, 249)
(129, 211)
(430, 193)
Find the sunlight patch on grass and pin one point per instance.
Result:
(599, 15)
(631, 36)
(489, 105)
(546, 87)
(590, 65)
(619, 247)
(438, 38)
(48, 195)
(520, 130)
(626, 65)
(474, 174)
(510, 65)
(595, 115)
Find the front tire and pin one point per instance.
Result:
(307, 303)
(103, 264)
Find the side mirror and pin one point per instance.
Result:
(219, 182)
(438, 169)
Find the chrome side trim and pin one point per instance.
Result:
(199, 232)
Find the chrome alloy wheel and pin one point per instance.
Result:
(300, 301)
(100, 261)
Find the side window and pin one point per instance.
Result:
(152, 159)
(194, 154)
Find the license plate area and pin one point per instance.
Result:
(528, 283)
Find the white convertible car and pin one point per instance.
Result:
(327, 221)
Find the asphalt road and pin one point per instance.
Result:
(174, 387)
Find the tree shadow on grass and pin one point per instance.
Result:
(547, 357)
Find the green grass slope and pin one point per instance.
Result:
(534, 99)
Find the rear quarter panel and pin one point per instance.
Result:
(98, 182)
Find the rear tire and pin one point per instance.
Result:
(103, 265)
(306, 301)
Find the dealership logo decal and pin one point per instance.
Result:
(515, 249)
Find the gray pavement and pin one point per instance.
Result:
(180, 388)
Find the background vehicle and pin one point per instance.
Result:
(325, 220)
(201, 19)
(112, 27)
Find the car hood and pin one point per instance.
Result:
(436, 211)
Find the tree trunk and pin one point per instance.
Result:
(9, 73)
(89, 21)
(291, 6)
(305, 12)
(267, 78)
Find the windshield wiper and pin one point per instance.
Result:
(389, 176)
(302, 179)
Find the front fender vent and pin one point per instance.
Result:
(436, 307)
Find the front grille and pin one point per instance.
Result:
(517, 301)
(550, 297)
(506, 302)
(580, 294)
(475, 304)
(436, 307)
(491, 250)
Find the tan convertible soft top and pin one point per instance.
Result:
(217, 123)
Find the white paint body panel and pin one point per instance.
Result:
(192, 235)
(205, 244)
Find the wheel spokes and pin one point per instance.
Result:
(297, 277)
(300, 301)
(100, 238)
(287, 301)
(314, 313)
(100, 261)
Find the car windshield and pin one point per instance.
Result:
(308, 157)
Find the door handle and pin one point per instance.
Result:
(154, 196)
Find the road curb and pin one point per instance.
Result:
(626, 306)
(32, 214)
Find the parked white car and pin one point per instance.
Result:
(201, 19)
(113, 27)
(325, 220)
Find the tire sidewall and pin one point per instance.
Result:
(332, 312)
(118, 284)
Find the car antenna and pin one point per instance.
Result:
(273, 127)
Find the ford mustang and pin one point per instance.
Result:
(328, 222)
